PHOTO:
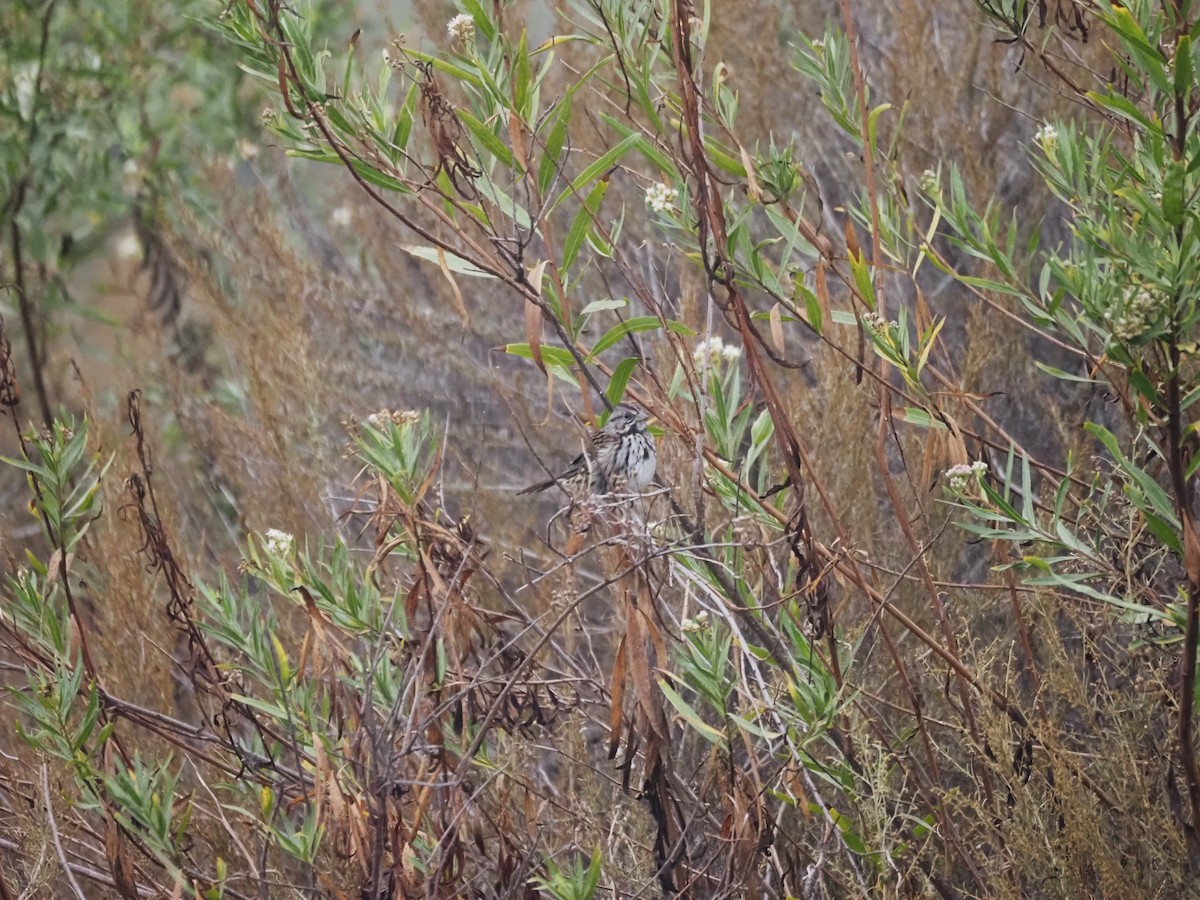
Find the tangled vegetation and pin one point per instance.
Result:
(912, 609)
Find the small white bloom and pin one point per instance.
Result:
(961, 476)
(461, 29)
(279, 543)
(661, 198)
(132, 176)
(929, 182)
(247, 150)
(1047, 136)
(708, 352)
(1142, 308)
(341, 216)
(24, 80)
(818, 45)
(731, 353)
(128, 246)
(1128, 327)
(1147, 303)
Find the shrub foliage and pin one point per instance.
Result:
(865, 635)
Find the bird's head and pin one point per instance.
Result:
(627, 417)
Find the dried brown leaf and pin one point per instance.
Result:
(777, 329)
(459, 303)
(617, 692)
(533, 333)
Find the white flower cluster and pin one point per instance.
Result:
(818, 45)
(712, 351)
(696, 625)
(660, 198)
(1047, 136)
(960, 477)
(1139, 313)
(279, 543)
(929, 183)
(341, 216)
(461, 29)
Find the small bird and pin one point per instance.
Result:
(620, 457)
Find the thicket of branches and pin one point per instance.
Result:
(858, 639)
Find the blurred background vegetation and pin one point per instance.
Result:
(297, 298)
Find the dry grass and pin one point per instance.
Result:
(290, 331)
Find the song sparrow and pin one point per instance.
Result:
(620, 458)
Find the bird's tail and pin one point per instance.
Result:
(537, 488)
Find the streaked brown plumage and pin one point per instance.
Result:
(620, 458)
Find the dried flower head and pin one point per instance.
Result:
(386, 417)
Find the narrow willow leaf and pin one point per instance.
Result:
(620, 379)
(454, 263)
(488, 138)
(582, 224)
(596, 169)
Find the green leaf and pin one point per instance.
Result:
(404, 120)
(509, 207)
(620, 378)
(582, 224)
(1064, 376)
(723, 158)
(862, 277)
(1172, 193)
(1125, 108)
(872, 118)
(645, 146)
(636, 324)
(557, 360)
(555, 140)
(488, 138)
(690, 715)
(754, 728)
(454, 263)
(1149, 491)
(522, 78)
(605, 162)
(599, 305)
